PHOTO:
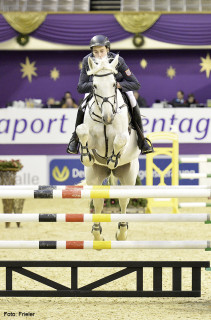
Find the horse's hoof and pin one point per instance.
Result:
(97, 236)
(121, 236)
(97, 233)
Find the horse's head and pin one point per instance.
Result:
(104, 87)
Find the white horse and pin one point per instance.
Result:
(108, 144)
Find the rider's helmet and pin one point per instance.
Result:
(99, 40)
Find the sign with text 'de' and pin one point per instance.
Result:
(66, 171)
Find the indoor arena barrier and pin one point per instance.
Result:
(91, 289)
(93, 192)
(86, 217)
(98, 245)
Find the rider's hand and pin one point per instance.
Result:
(118, 85)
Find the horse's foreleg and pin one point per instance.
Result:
(127, 175)
(96, 228)
(83, 133)
(122, 226)
(95, 176)
(119, 143)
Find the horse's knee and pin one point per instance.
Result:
(82, 133)
(120, 142)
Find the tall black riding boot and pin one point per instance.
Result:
(73, 145)
(144, 144)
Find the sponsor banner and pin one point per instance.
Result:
(34, 170)
(65, 170)
(55, 126)
(70, 171)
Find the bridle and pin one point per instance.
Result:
(106, 99)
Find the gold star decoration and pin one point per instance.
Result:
(143, 63)
(80, 65)
(28, 69)
(54, 74)
(171, 72)
(206, 65)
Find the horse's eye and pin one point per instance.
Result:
(95, 86)
(114, 85)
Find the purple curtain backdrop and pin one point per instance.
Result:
(6, 32)
(154, 81)
(78, 29)
(189, 29)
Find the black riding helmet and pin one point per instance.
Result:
(99, 40)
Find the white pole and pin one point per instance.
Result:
(198, 244)
(194, 204)
(194, 159)
(147, 193)
(63, 187)
(159, 244)
(61, 217)
(107, 193)
(193, 175)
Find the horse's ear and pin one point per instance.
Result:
(91, 63)
(115, 62)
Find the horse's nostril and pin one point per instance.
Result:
(108, 119)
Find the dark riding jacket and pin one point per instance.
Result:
(125, 77)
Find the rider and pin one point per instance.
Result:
(126, 82)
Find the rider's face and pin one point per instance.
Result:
(100, 52)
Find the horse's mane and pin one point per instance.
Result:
(102, 64)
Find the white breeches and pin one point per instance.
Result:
(84, 103)
(132, 98)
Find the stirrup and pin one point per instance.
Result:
(148, 151)
(73, 145)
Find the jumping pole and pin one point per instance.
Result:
(86, 217)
